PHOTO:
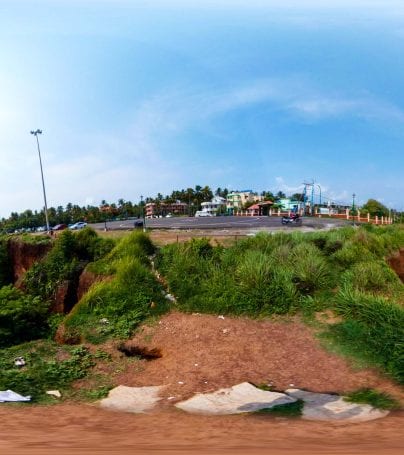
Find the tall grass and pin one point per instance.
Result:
(343, 269)
(257, 276)
(372, 325)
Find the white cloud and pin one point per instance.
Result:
(136, 157)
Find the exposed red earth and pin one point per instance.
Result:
(204, 353)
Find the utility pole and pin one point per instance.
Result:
(353, 202)
(143, 213)
(35, 133)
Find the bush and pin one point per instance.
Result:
(5, 266)
(351, 253)
(375, 277)
(66, 260)
(22, 317)
(60, 264)
(90, 247)
(310, 270)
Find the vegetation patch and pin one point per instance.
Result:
(43, 371)
(115, 307)
(66, 260)
(5, 265)
(374, 398)
(22, 317)
(342, 270)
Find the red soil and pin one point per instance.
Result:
(227, 351)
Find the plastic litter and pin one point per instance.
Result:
(9, 395)
(19, 362)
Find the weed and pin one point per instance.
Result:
(374, 398)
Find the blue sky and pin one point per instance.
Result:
(138, 97)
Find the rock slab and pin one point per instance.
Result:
(240, 398)
(322, 406)
(132, 399)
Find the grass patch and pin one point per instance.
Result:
(131, 295)
(374, 398)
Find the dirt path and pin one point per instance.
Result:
(205, 353)
(83, 429)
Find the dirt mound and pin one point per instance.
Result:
(203, 353)
(23, 256)
(396, 262)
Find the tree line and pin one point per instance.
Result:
(123, 209)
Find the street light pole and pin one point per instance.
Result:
(353, 202)
(143, 214)
(35, 133)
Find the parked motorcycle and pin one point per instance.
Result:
(296, 220)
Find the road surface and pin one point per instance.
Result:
(219, 222)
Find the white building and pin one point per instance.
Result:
(213, 207)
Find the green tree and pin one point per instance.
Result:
(375, 208)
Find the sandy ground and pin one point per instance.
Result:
(68, 429)
(204, 353)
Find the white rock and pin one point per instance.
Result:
(240, 398)
(132, 399)
(322, 406)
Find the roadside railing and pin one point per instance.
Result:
(343, 216)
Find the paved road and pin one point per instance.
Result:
(219, 222)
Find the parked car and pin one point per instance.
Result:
(78, 225)
(59, 227)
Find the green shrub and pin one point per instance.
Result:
(65, 261)
(5, 265)
(310, 269)
(351, 253)
(90, 247)
(375, 276)
(60, 264)
(22, 317)
(131, 294)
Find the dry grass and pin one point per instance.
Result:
(161, 237)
